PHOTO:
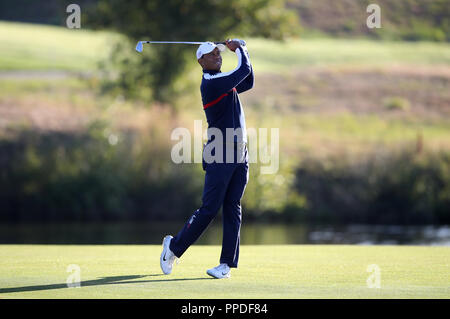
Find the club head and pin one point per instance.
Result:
(139, 46)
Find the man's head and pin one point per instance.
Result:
(208, 56)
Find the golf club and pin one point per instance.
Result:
(139, 46)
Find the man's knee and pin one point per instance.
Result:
(232, 205)
(208, 211)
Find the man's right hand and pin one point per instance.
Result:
(233, 44)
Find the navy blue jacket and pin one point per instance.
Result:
(220, 96)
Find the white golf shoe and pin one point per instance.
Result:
(167, 256)
(219, 272)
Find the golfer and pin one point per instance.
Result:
(225, 158)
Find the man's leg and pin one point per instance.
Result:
(232, 216)
(216, 182)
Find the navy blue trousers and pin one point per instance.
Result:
(224, 187)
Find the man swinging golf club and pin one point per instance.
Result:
(227, 174)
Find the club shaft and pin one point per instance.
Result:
(140, 43)
(178, 42)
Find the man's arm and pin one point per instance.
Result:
(224, 82)
(247, 83)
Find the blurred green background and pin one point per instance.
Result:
(364, 117)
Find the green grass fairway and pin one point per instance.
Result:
(42, 47)
(39, 271)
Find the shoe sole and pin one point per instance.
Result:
(224, 277)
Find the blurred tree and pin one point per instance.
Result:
(45, 12)
(153, 74)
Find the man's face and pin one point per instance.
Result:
(211, 60)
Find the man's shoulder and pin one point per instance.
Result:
(207, 81)
(213, 76)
